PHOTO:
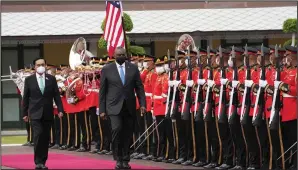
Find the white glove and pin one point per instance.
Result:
(97, 111)
(189, 83)
(248, 83)
(60, 85)
(176, 83)
(201, 81)
(210, 83)
(263, 83)
(171, 83)
(276, 84)
(235, 83)
(70, 100)
(153, 117)
(223, 81)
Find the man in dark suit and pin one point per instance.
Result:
(118, 84)
(39, 91)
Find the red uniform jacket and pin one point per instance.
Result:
(148, 87)
(270, 77)
(92, 100)
(288, 111)
(160, 95)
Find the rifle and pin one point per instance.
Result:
(187, 93)
(234, 101)
(246, 101)
(208, 108)
(199, 93)
(176, 94)
(170, 89)
(222, 109)
(276, 103)
(260, 100)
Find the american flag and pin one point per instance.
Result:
(113, 32)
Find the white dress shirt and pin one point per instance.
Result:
(118, 68)
(43, 79)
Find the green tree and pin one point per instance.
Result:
(289, 42)
(128, 26)
(290, 26)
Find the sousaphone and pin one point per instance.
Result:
(186, 41)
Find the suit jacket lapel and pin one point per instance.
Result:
(127, 71)
(117, 73)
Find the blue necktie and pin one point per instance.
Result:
(122, 75)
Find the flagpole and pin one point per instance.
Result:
(124, 33)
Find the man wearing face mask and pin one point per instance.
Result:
(149, 64)
(180, 124)
(288, 86)
(39, 91)
(225, 137)
(250, 132)
(141, 153)
(118, 83)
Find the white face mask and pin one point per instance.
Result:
(145, 64)
(40, 69)
(166, 67)
(140, 65)
(186, 62)
(160, 69)
(230, 62)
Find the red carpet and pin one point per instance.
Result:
(63, 161)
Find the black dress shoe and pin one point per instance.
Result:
(252, 167)
(210, 166)
(31, 144)
(224, 166)
(72, 148)
(140, 156)
(150, 157)
(168, 160)
(187, 163)
(109, 153)
(103, 152)
(199, 164)
(159, 159)
(82, 150)
(179, 161)
(55, 146)
(64, 147)
(237, 167)
(133, 155)
(51, 145)
(40, 166)
(119, 165)
(27, 144)
(126, 165)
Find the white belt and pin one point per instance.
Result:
(164, 95)
(148, 94)
(287, 95)
(93, 90)
(157, 97)
(217, 95)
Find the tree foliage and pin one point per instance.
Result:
(290, 25)
(289, 42)
(128, 24)
(136, 50)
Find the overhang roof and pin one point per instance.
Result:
(154, 21)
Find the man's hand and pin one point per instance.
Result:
(60, 114)
(143, 110)
(25, 118)
(103, 116)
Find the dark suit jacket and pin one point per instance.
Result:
(38, 105)
(113, 92)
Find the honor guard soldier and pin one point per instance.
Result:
(160, 89)
(202, 150)
(177, 115)
(149, 64)
(221, 75)
(288, 86)
(274, 135)
(248, 77)
(233, 113)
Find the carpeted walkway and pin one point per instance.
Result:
(63, 161)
